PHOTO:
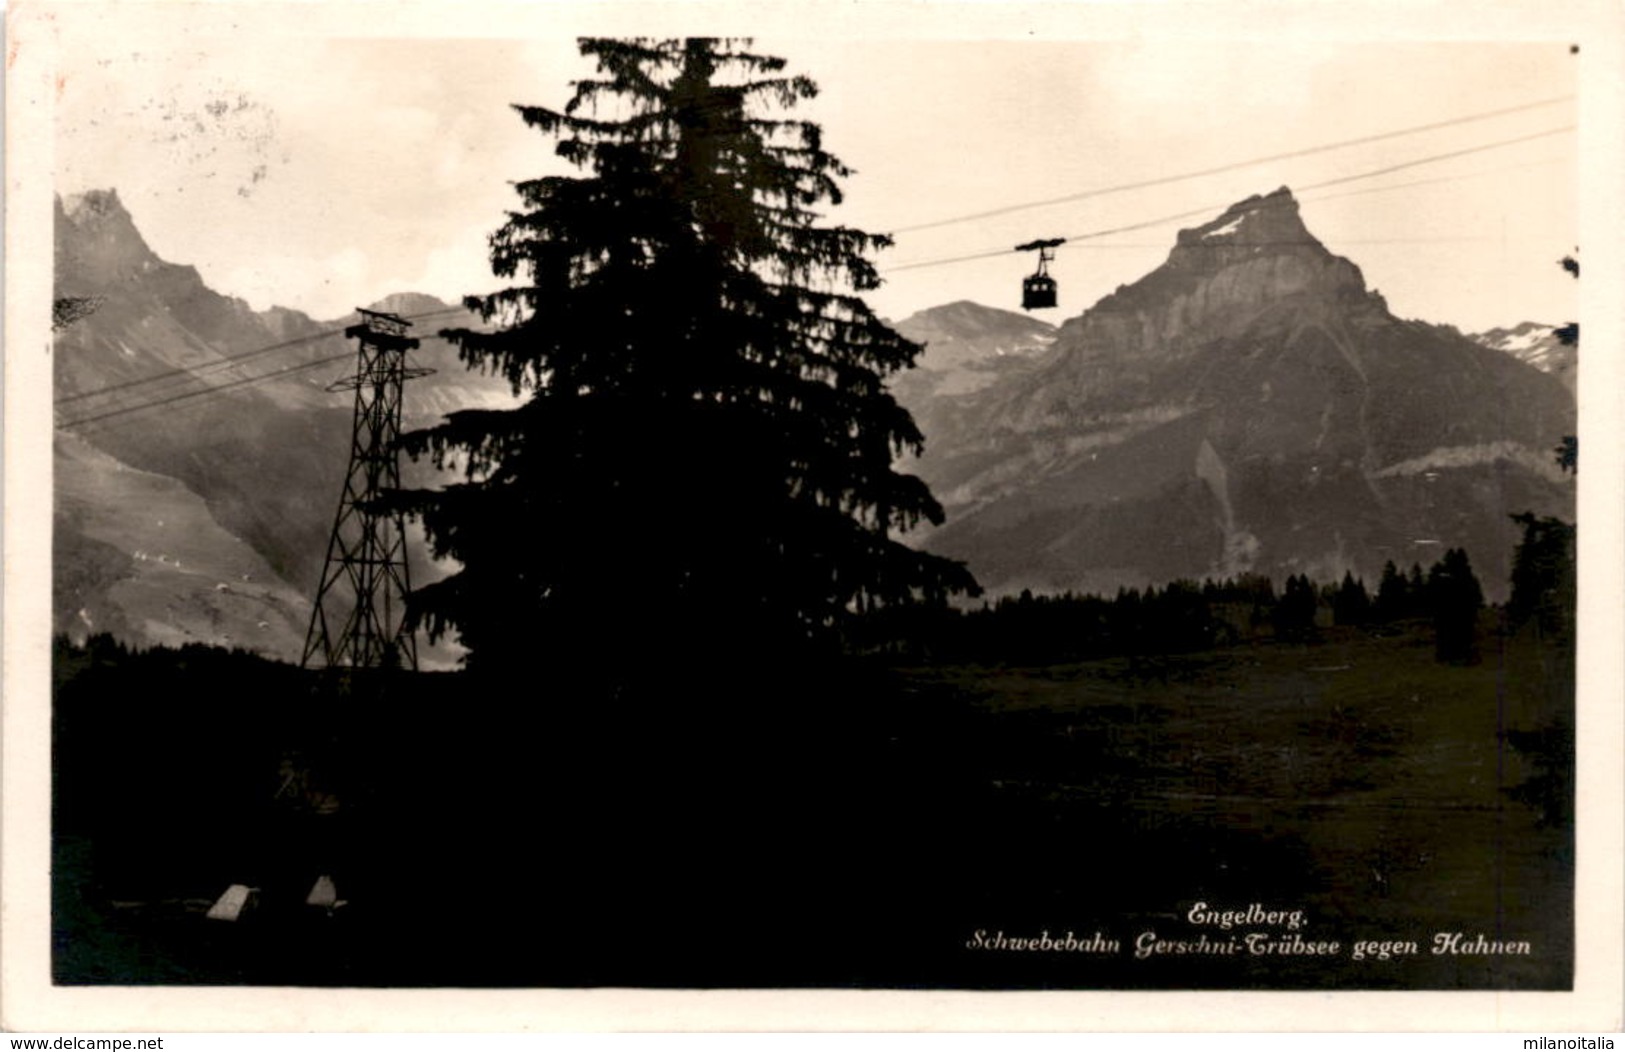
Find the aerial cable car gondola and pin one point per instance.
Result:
(1038, 288)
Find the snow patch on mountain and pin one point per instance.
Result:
(1535, 344)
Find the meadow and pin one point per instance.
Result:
(862, 824)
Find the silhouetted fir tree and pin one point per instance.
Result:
(1350, 604)
(1416, 592)
(1543, 577)
(1128, 621)
(1179, 618)
(1456, 598)
(1543, 563)
(1568, 449)
(1259, 591)
(1393, 595)
(705, 455)
(1295, 611)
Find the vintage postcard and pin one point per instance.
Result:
(867, 516)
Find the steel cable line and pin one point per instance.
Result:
(1277, 244)
(198, 372)
(226, 361)
(1211, 209)
(204, 392)
(1374, 190)
(1438, 179)
(1231, 167)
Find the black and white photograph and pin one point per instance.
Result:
(961, 498)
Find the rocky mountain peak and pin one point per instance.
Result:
(1246, 407)
(411, 305)
(97, 241)
(1263, 220)
(1256, 255)
(1262, 227)
(244, 468)
(94, 206)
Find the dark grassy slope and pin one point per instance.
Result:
(782, 828)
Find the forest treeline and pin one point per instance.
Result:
(1445, 600)
(1183, 616)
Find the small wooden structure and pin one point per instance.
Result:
(232, 902)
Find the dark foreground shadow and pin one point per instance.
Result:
(756, 827)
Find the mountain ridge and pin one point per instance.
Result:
(1537, 344)
(1244, 408)
(1247, 406)
(167, 379)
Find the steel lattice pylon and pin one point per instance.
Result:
(358, 618)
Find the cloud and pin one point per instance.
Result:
(458, 269)
(329, 285)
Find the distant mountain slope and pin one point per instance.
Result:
(264, 459)
(1536, 344)
(1247, 406)
(968, 347)
(140, 555)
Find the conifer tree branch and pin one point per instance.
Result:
(698, 363)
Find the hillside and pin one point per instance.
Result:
(1248, 406)
(1536, 344)
(225, 415)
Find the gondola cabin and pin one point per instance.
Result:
(1037, 291)
(1038, 288)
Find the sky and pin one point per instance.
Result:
(322, 170)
